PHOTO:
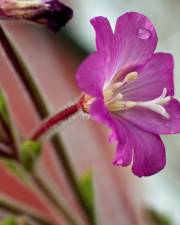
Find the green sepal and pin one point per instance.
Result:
(87, 190)
(29, 153)
(9, 221)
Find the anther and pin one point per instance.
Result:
(131, 77)
(120, 105)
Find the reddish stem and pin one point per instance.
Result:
(55, 119)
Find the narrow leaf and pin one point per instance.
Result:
(86, 187)
(3, 107)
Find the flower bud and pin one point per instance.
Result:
(51, 13)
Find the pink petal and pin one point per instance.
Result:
(124, 153)
(97, 68)
(105, 43)
(104, 33)
(153, 122)
(121, 51)
(149, 151)
(91, 74)
(135, 38)
(153, 77)
(100, 113)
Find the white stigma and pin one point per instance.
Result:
(156, 105)
(114, 99)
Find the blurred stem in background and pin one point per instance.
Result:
(154, 218)
(21, 161)
(16, 210)
(27, 79)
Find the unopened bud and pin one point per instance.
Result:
(51, 13)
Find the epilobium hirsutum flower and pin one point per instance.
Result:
(51, 13)
(130, 89)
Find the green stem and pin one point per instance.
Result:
(43, 112)
(53, 199)
(9, 129)
(18, 211)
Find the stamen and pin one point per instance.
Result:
(120, 105)
(108, 93)
(131, 77)
(119, 97)
(113, 97)
(117, 85)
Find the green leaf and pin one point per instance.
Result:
(6, 118)
(8, 221)
(30, 152)
(87, 190)
(3, 107)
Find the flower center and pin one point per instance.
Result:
(114, 99)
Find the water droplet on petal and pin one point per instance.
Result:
(143, 33)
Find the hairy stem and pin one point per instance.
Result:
(54, 120)
(43, 112)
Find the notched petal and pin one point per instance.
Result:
(91, 74)
(104, 34)
(136, 39)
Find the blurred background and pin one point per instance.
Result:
(53, 60)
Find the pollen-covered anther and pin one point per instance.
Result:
(108, 93)
(120, 105)
(130, 77)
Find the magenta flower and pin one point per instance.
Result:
(51, 13)
(129, 88)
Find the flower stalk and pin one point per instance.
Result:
(40, 105)
(56, 119)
